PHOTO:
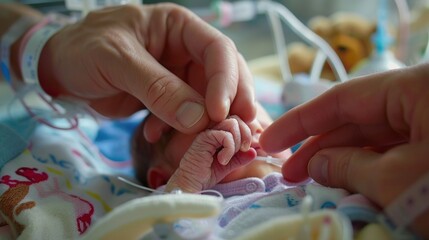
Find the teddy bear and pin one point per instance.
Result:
(349, 35)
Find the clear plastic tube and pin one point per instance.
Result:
(139, 186)
(404, 31)
(317, 67)
(247, 10)
(425, 57)
(301, 30)
(224, 13)
(274, 161)
(280, 45)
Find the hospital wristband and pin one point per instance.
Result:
(32, 46)
(9, 38)
(410, 204)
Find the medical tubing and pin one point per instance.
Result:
(301, 30)
(426, 53)
(280, 44)
(317, 67)
(139, 186)
(243, 10)
(239, 11)
(381, 37)
(271, 160)
(404, 31)
(223, 13)
(41, 115)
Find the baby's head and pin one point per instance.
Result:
(156, 162)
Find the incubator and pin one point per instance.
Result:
(85, 6)
(195, 214)
(390, 41)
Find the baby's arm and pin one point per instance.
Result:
(214, 154)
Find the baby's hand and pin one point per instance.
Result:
(214, 154)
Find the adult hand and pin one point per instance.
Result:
(213, 155)
(369, 135)
(160, 57)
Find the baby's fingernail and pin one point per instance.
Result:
(245, 146)
(318, 168)
(224, 161)
(189, 114)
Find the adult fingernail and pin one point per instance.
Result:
(227, 105)
(318, 168)
(189, 114)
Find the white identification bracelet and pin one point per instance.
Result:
(13, 33)
(32, 51)
(410, 204)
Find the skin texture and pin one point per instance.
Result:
(375, 126)
(130, 57)
(213, 154)
(126, 58)
(222, 153)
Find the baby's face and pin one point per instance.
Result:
(179, 143)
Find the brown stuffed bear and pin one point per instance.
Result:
(347, 33)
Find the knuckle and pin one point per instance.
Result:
(174, 11)
(132, 10)
(344, 171)
(92, 16)
(339, 171)
(236, 117)
(233, 121)
(135, 15)
(228, 41)
(160, 92)
(172, 7)
(221, 41)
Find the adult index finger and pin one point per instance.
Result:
(219, 56)
(360, 101)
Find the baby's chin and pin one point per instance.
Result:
(256, 168)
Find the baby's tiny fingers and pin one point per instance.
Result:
(231, 125)
(212, 144)
(245, 133)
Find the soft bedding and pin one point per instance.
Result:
(63, 184)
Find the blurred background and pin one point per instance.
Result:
(254, 37)
(364, 36)
(360, 38)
